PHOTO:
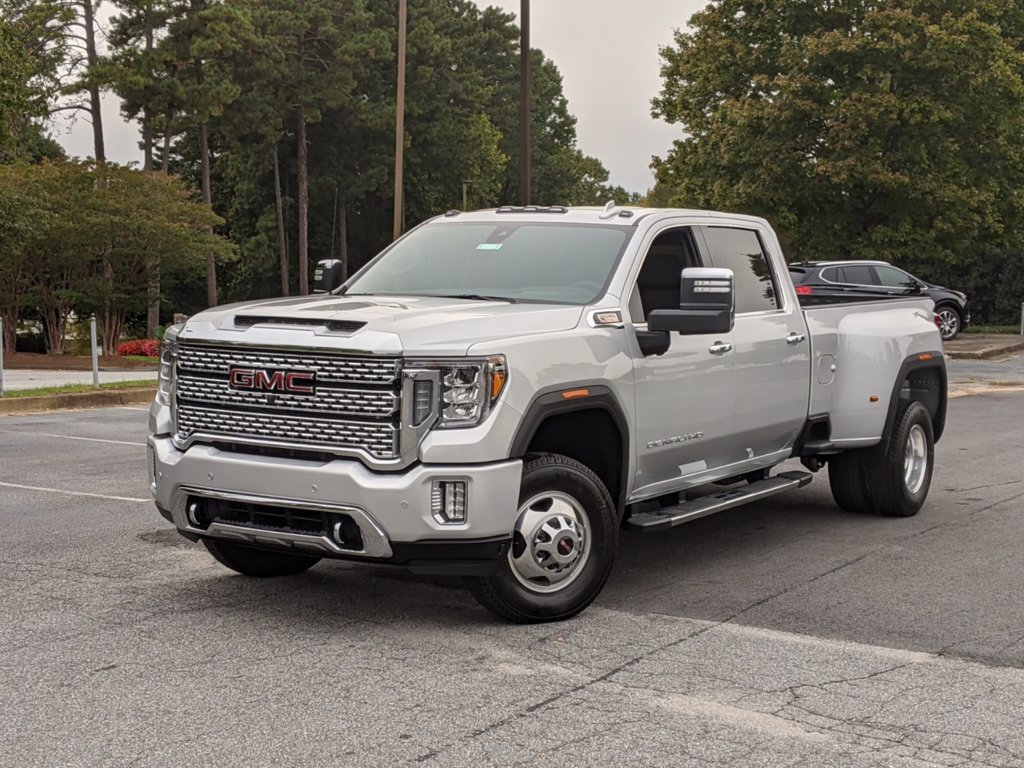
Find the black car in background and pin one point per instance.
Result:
(827, 282)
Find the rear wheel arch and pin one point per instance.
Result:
(922, 378)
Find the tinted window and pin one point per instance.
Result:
(562, 263)
(659, 279)
(740, 250)
(832, 275)
(857, 275)
(893, 278)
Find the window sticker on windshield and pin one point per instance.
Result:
(489, 247)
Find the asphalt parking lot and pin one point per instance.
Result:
(783, 633)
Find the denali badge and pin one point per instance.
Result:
(271, 380)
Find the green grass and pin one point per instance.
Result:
(1015, 329)
(72, 388)
(141, 359)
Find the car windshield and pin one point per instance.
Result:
(533, 262)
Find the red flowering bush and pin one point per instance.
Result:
(141, 347)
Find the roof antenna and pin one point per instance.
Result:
(610, 210)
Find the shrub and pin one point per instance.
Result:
(140, 347)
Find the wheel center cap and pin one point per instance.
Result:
(565, 546)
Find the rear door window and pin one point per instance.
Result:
(741, 251)
(857, 274)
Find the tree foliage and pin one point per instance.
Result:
(889, 129)
(84, 237)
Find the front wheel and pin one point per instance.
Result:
(950, 323)
(260, 563)
(563, 545)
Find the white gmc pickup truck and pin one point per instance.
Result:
(498, 393)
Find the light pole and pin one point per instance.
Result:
(403, 8)
(524, 102)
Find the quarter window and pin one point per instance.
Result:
(741, 251)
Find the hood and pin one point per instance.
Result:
(416, 325)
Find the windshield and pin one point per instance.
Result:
(534, 262)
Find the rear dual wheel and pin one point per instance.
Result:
(895, 482)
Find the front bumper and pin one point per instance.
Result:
(392, 510)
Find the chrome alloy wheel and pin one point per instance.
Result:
(915, 459)
(551, 542)
(949, 323)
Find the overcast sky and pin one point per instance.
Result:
(606, 50)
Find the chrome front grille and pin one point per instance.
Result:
(355, 409)
(358, 402)
(330, 367)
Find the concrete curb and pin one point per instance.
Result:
(986, 353)
(106, 398)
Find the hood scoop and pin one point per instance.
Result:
(340, 326)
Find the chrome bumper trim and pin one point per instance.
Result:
(375, 541)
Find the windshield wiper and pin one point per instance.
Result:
(477, 297)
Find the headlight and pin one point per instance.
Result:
(469, 388)
(168, 358)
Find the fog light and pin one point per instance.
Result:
(448, 501)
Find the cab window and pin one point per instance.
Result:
(657, 285)
(741, 251)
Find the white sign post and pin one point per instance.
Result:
(1, 358)
(95, 354)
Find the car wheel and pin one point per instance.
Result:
(260, 563)
(563, 544)
(848, 480)
(950, 323)
(898, 481)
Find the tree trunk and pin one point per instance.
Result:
(110, 325)
(211, 264)
(94, 91)
(55, 323)
(9, 315)
(343, 238)
(165, 161)
(147, 113)
(303, 207)
(282, 243)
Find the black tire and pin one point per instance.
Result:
(847, 478)
(260, 563)
(952, 322)
(887, 475)
(506, 595)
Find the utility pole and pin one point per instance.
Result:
(524, 102)
(403, 8)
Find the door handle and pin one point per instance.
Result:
(796, 338)
(720, 348)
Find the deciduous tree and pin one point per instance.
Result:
(890, 129)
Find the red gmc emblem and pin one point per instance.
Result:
(271, 380)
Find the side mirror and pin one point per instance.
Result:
(327, 276)
(707, 302)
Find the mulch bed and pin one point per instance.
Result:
(31, 360)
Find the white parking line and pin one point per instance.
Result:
(69, 437)
(130, 408)
(76, 493)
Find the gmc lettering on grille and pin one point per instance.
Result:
(273, 380)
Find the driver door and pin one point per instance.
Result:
(684, 398)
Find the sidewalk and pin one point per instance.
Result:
(33, 379)
(983, 346)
